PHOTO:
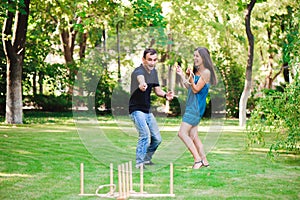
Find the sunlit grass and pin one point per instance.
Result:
(40, 160)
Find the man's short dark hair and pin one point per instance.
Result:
(149, 50)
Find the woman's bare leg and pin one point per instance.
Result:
(184, 135)
(198, 144)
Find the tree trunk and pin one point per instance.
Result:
(118, 50)
(34, 85)
(82, 45)
(40, 81)
(248, 81)
(14, 49)
(82, 48)
(68, 41)
(286, 73)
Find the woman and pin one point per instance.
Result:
(198, 83)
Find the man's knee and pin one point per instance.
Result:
(157, 140)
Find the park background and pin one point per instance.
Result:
(64, 61)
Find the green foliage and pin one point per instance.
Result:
(242, 4)
(286, 33)
(290, 43)
(175, 107)
(51, 77)
(39, 46)
(147, 14)
(94, 83)
(232, 76)
(104, 90)
(119, 101)
(11, 6)
(52, 103)
(218, 25)
(3, 8)
(277, 113)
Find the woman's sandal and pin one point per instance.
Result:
(199, 162)
(207, 165)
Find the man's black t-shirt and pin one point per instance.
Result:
(139, 100)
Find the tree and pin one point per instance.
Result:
(38, 44)
(248, 79)
(218, 26)
(277, 113)
(63, 13)
(2, 79)
(280, 21)
(14, 48)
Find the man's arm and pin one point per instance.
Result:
(159, 92)
(142, 83)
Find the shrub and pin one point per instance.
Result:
(277, 113)
(120, 101)
(53, 103)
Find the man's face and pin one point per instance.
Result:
(150, 61)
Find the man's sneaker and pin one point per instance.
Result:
(149, 162)
(138, 166)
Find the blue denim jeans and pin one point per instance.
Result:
(149, 135)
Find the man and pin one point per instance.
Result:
(143, 79)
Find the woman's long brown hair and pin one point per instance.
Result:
(208, 64)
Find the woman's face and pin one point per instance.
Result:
(197, 59)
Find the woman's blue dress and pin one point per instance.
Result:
(195, 104)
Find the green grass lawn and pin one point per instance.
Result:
(41, 160)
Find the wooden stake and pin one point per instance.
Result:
(123, 181)
(171, 178)
(81, 179)
(127, 179)
(130, 177)
(120, 181)
(111, 179)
